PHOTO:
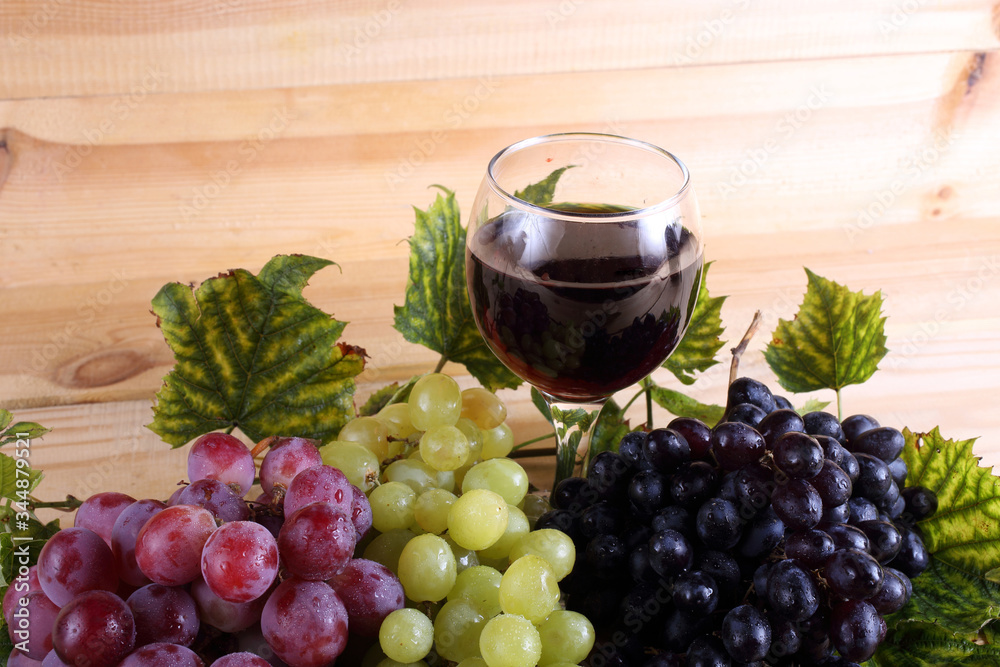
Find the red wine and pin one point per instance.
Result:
(581, 310)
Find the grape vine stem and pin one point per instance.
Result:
(741, 348)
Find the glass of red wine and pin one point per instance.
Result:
(584, 260)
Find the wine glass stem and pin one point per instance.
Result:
(574, 425)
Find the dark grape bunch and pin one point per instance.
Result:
(771, 539)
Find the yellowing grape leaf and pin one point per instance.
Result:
(920, 644)
(837, 338)
(252, 353)
(697, 349)
(963, 536)
(436, 312)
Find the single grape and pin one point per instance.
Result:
(305, 623)
(95, 628)
(223, 457)
(899, 471)
(444, 448)
(748, 390)
(509, 640)
(474, 435)
(847, 537)
(168, 547)
(673, 517)
(370, 592)
(718, 524)
(368, 431)
(884, 539)
(855, 425)
(497, 442)
(435, 400)
(608, 475)
(396, 418)
(73, 561)
(791, 590)
(517, 527)
(123, 535)
(778, 423)
(884, 442)
(427, 568)
(823, 423)
(921, 502)
(162, 655)
(430, 510)
(406, 635)
(554, 546)
(862, 509)
(797, 504)
(33, 618)
(696, 433)
(746, 634)
(320, 483)
(478, 519)
(392, 506)
(696, 592)
(764, 532)
(415, 473)
(736, 444)
(567, 637)
(665, 449)
(799, 456)
(853, 574)
(529, 588)
(648, 491)
(810, 546)
(670, 553)
(286, 458)
(630, 448)
(164, 614)
(833, 484)
(217, 498)
(317, 541)
(602, 518)
(241, 659)
(239, 561)
(874, 479)
(913, 557)
(894, 593)
(504, 477)
(483, 407)
(693, 483)
(856, 629)
(100, 511)
(481, 585)
(457, 628)
(223, 615)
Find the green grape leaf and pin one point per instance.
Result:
(388, 395)
(251, 352)
(919, 644)
(541, 193)
(963, 536)
(10, 473)
(697, 349)
(5, 419)
(837, 338)
(610, 428)
(539, 402)
(681, 405)
(436, 312)
(812, 405)
(20, 430)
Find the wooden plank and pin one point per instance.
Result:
(91, 47)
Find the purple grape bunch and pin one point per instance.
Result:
(771, 539)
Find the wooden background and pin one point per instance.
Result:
(146, 142)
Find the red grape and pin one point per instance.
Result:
(18, 659)
(31, 625)
(320, 483)
(24, 583)
(370, 592)
(75, 560)
(241, 659)
(240, 561)
(163, 614)
(285, 460)
(225, 616)
(127, 527)
(305, 623)
(99, 512)
(317, 541)
(223, 457)
(168, 548)
(217, 498)
(163, 655)
(95, 628)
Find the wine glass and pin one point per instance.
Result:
(584, 289)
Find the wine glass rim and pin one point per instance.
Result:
(645, 211)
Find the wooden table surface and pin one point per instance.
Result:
(143, 143)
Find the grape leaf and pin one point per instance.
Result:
(251, 352)
(812, 405)
(963, 536)
(610, 428)
(918, 644)
(681, 405)
(541, 193)
(697, 349)
(436, 312)
(18, 431)
(9, 476)
(388, 395)
(837, 338)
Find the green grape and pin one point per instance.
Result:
(509, 640)
(478, 519)
(529, 588)
(483, 407)
(431, 510)
(473, 662)
(396, 418)
(406, 635)
(444, 448)
(368, 431)
(567, 637)
(497, 442)
(503, 476)
(517, 527)
(435, 400)
(533, 507)
(392, 506)
(457, 627)
(464, 558)
(446, 480)
(481, 584)
(413, 472)
(427, 568)
(387, 547)
(475, 437)
(356, 461)
(555, 546)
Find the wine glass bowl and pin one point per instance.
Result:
(584, 259)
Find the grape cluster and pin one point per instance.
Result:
(772, 538)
